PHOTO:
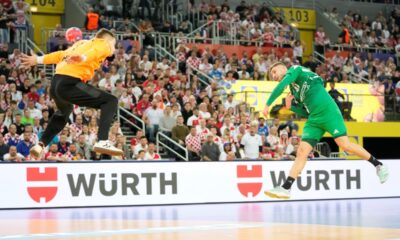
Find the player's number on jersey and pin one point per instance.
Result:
(43, 2)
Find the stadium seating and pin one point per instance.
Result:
(182, 75)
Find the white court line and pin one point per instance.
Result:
(107, 233)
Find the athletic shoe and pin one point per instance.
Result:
(106, 147)
(383, 173)
(278, 192)
(36, 152)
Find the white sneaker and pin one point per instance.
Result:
(278, 192)
(36, 152)
(106, 147)
(383, 173)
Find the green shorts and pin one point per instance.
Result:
(331, 121)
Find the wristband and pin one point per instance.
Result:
(40, 59)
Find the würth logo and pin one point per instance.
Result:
(45, 176)
(250, 179)
(252, 172)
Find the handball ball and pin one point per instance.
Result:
(73, 34)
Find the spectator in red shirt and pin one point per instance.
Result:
(7, 4)
(193, 144)
(72, 153)
(193, 61)
(150, 79)
(267, 153)
(181, 53)
(151, 153)
(194, 119)
(53, 153)
(143, 104)
(135, 140)
(33, 95)
(268, 37)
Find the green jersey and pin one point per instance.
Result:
(311, 101)
(307, 88)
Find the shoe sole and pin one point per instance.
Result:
(273, 195)
(384, 180)
(107, 151)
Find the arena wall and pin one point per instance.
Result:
(79, 184)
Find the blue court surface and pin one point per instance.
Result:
(331, 219)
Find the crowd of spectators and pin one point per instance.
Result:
(382, 75)
(247, 23)
(13, 17)
(219, 67)
(161, 93)
(250, 24)
(156, 91)
(209, 137)
(380, 32)
(356, 67)
(168, 96)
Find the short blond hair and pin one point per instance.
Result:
(271, 67)
(104, 32)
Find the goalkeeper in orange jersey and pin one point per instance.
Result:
(76, 66)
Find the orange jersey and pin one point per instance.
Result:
(95, 51)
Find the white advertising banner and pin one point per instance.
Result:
(46, 185)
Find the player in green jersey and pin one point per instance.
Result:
(309, 98)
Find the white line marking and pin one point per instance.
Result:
(105, 233)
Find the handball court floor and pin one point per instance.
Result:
(331, 219)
